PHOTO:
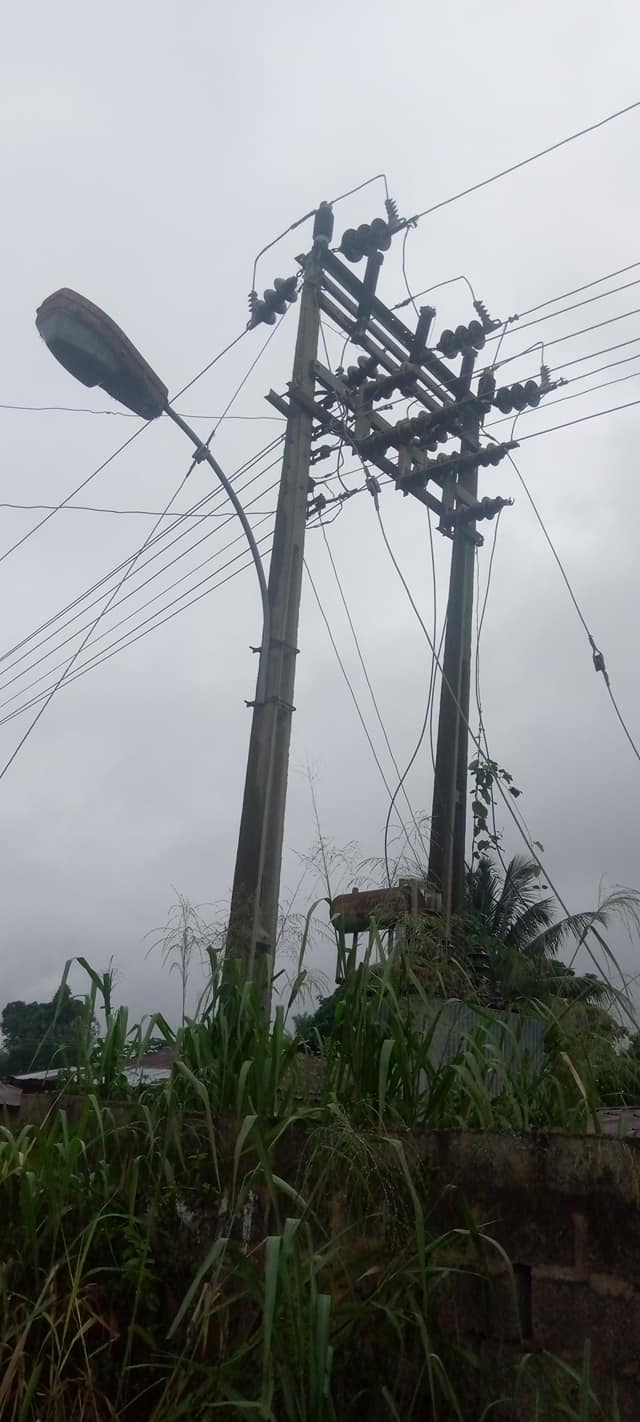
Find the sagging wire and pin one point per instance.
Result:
(306, 217)
(597, 655)
(351, 690)
(370, 688)
(448, 281)
(517, 819)
(482, 733)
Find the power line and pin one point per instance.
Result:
(570, 336)
(623, 723)
(147, 513)
(368, 680)
(123, 414)
(242, 382)
(152, 619)
(312, 212)
(531, 846)
(533, 157)
(191, 547)
(575, 291)
(574, 395)
(597, 655)
(165, 567)
(428, 714)
(413, 296)
(155, 620)
(551, 315)
(132, 437)
(129, 640)
(239, 538)
(482, 733)
(215, 494)
(592, 355)
(410, 296)
(535, 434)
(600, 369)
(540, 306)
(70, 663)
(350, 687)
(79, 487)
(116, 452)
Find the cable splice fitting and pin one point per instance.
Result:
(598, 660)
(373, 487)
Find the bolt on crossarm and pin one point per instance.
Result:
(253, 919)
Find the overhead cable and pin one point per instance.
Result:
(551, 315)
(507, 799)
(575, 290)
(123, 414)
(163, 538)
(523, 162)
(350, 689)
(109, 460)
(74, 656)
(238, 538)
(597, 415)
(428, 714)
(128, 640)
(596, 653)
(558, 340)
(573, 395)
(368, 680)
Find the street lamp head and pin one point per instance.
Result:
(93, 348)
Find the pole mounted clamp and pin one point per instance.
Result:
(271, 701)
(279, 642)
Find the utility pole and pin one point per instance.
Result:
(253, 919)
(449, 808)
(320, 403)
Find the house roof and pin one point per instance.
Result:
(150, 1068)
(620, 1120)
(10, 1095)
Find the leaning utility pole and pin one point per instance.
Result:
(449, 808)
(253, 920)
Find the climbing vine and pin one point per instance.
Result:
(487, 774)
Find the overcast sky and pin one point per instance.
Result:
(148, 151)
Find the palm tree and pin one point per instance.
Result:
(507, 915)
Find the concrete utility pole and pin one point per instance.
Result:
(341, 405)
(253, 920)
(449, 808)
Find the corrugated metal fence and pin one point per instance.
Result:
(508, 1041)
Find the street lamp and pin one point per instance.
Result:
(97, 352)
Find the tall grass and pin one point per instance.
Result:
(238, 1243)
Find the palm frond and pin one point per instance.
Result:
(531, 926)
(483, 890)
(519, 891)
(548, 942)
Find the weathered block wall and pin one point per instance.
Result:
(566, 1210)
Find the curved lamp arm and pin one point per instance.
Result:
(204, 453)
